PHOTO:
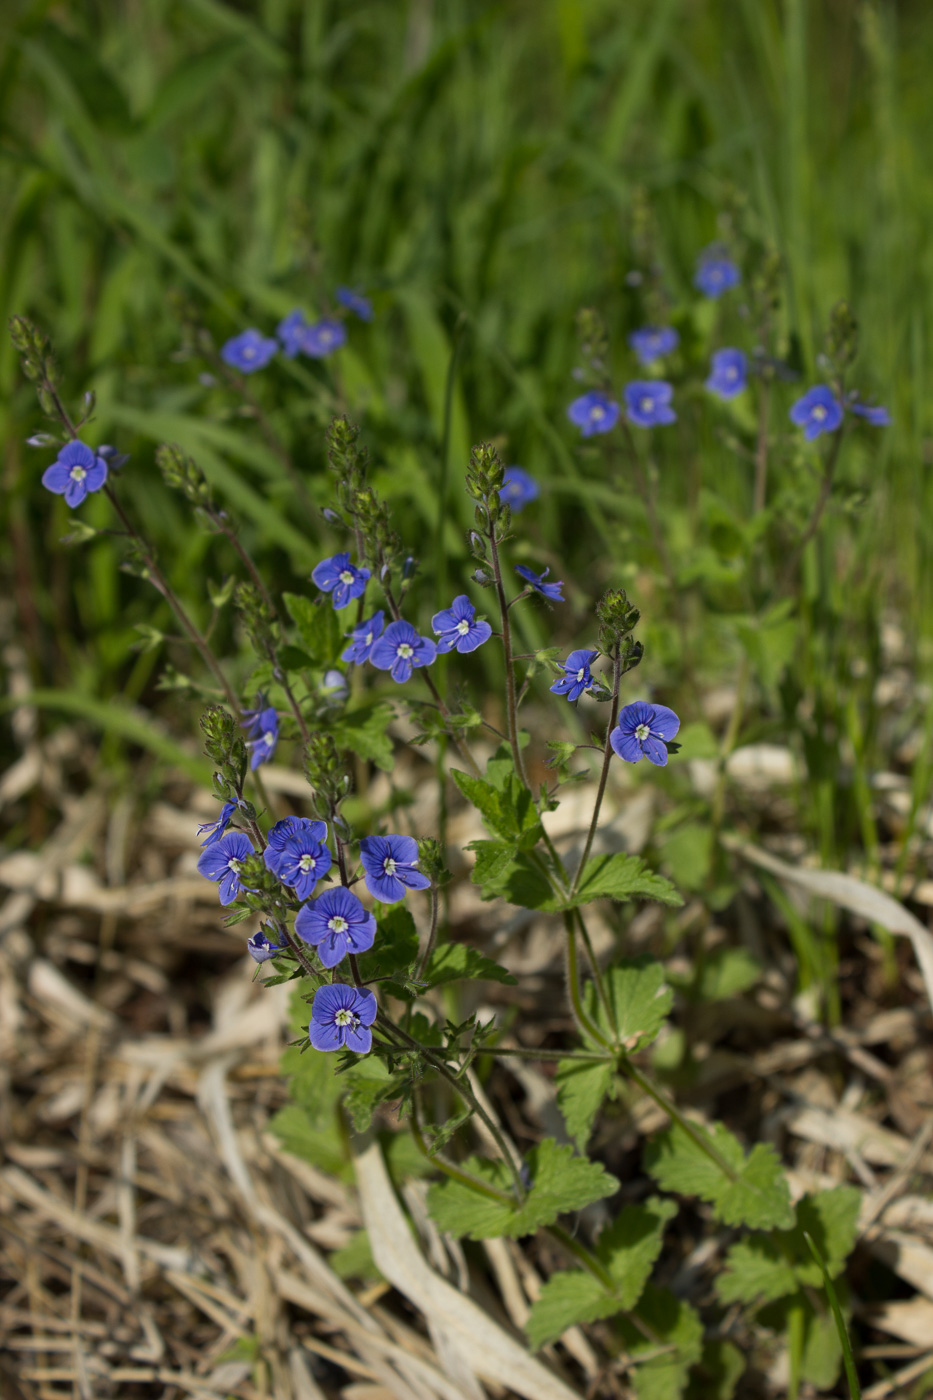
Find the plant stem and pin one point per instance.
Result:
(657, 534)
(511, 707)
(432, 935)
(525, 1053)
(696, 1134)
(761, 449)
(586, 1025)
(814, 522)
(482, 1188)
(607, 758)
(597, 971)
(584, 1256)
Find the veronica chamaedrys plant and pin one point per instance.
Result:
(351, 912)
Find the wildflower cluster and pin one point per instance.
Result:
(295, 335)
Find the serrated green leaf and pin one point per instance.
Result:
(560, 1182)
(508, 810)
(581, 1087)
(293, 659)
(454, 961)
(622, 877)
(759, 1197)
(318, 627)
(365, 732)
(756, 1270)
(640, 999)
(632, 1243)
(366, 1084)
(570, 1297)
(493, 859)
(771, 1267)
(671, 1322)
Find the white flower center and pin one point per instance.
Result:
(346, 1017)
(463, 627)
(369, 637)
(598, 413)
(77, 473)
(581, 673)
(235, 865)
(732, 372)
(268, 738)
(388, 865)
(249, 353)
(326, 336)
(346, 576)
(405, 651)
(337, 924)
(642, 732)
(819, 413)
(646, 405)
(307, 863)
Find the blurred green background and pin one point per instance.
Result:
(472, 166)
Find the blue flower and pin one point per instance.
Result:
(550, 590)
(221, 862)
(648, 403)
(362, 638)
(355, 302)
(114, 459)
(260, 949)
(265, 732)
(729, 373)
(336, 924)
(874, 414)
(216, 828)
(291, 332)
(338, 576)
(577, 675)
(341, 1017)
(249, 351)
(652, 342)
(399, 649)
(76, 471)
(456, 626)
(715, 272)
(644, 731)
(250, 718)
(389, 867)
(283, 831)
(518, 488)
(819, 411)
(593, 413)
(301, 862)
(323, 337)
(334, 688)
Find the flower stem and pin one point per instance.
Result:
(473, 1183)
(696, 1134)
(586, 1025)
(607, 758)
(511, 707)
(818, 510)
(432, 936)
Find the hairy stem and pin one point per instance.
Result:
(511, 707)
(607, 758)
(693, 1131)
(586, 1025)
(432, 935)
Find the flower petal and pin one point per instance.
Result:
(664, 723)
(655, 750)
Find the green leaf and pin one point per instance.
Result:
(454, 961)
(318, 628)
(560, 1182)
(756, 1270)
(821, 1353)
(669, 1322)
(493, 859)
(293, 659)
(581, 1088)
(95, 85)
(570, 1297)
(640, 999)
(770, 1267)
(367, 1083)
(396, 946)
(355, 1259)
(365, 732)
(688, 854)
(622, 877)
(759, 1196)
(508, 810)
(632, 1243)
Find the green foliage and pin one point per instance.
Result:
(627, 1249)
(396, 946)
(354, 1260)
(671, 1323)
(508, 809)
(639, 1000)
(717, 1373)
(767, 1267)
(621, 877)
(319, 628)
(753, 1191)
(581, 1088)
(813, 1335)
(364, 731)
(453, 961)
(560, 1182)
